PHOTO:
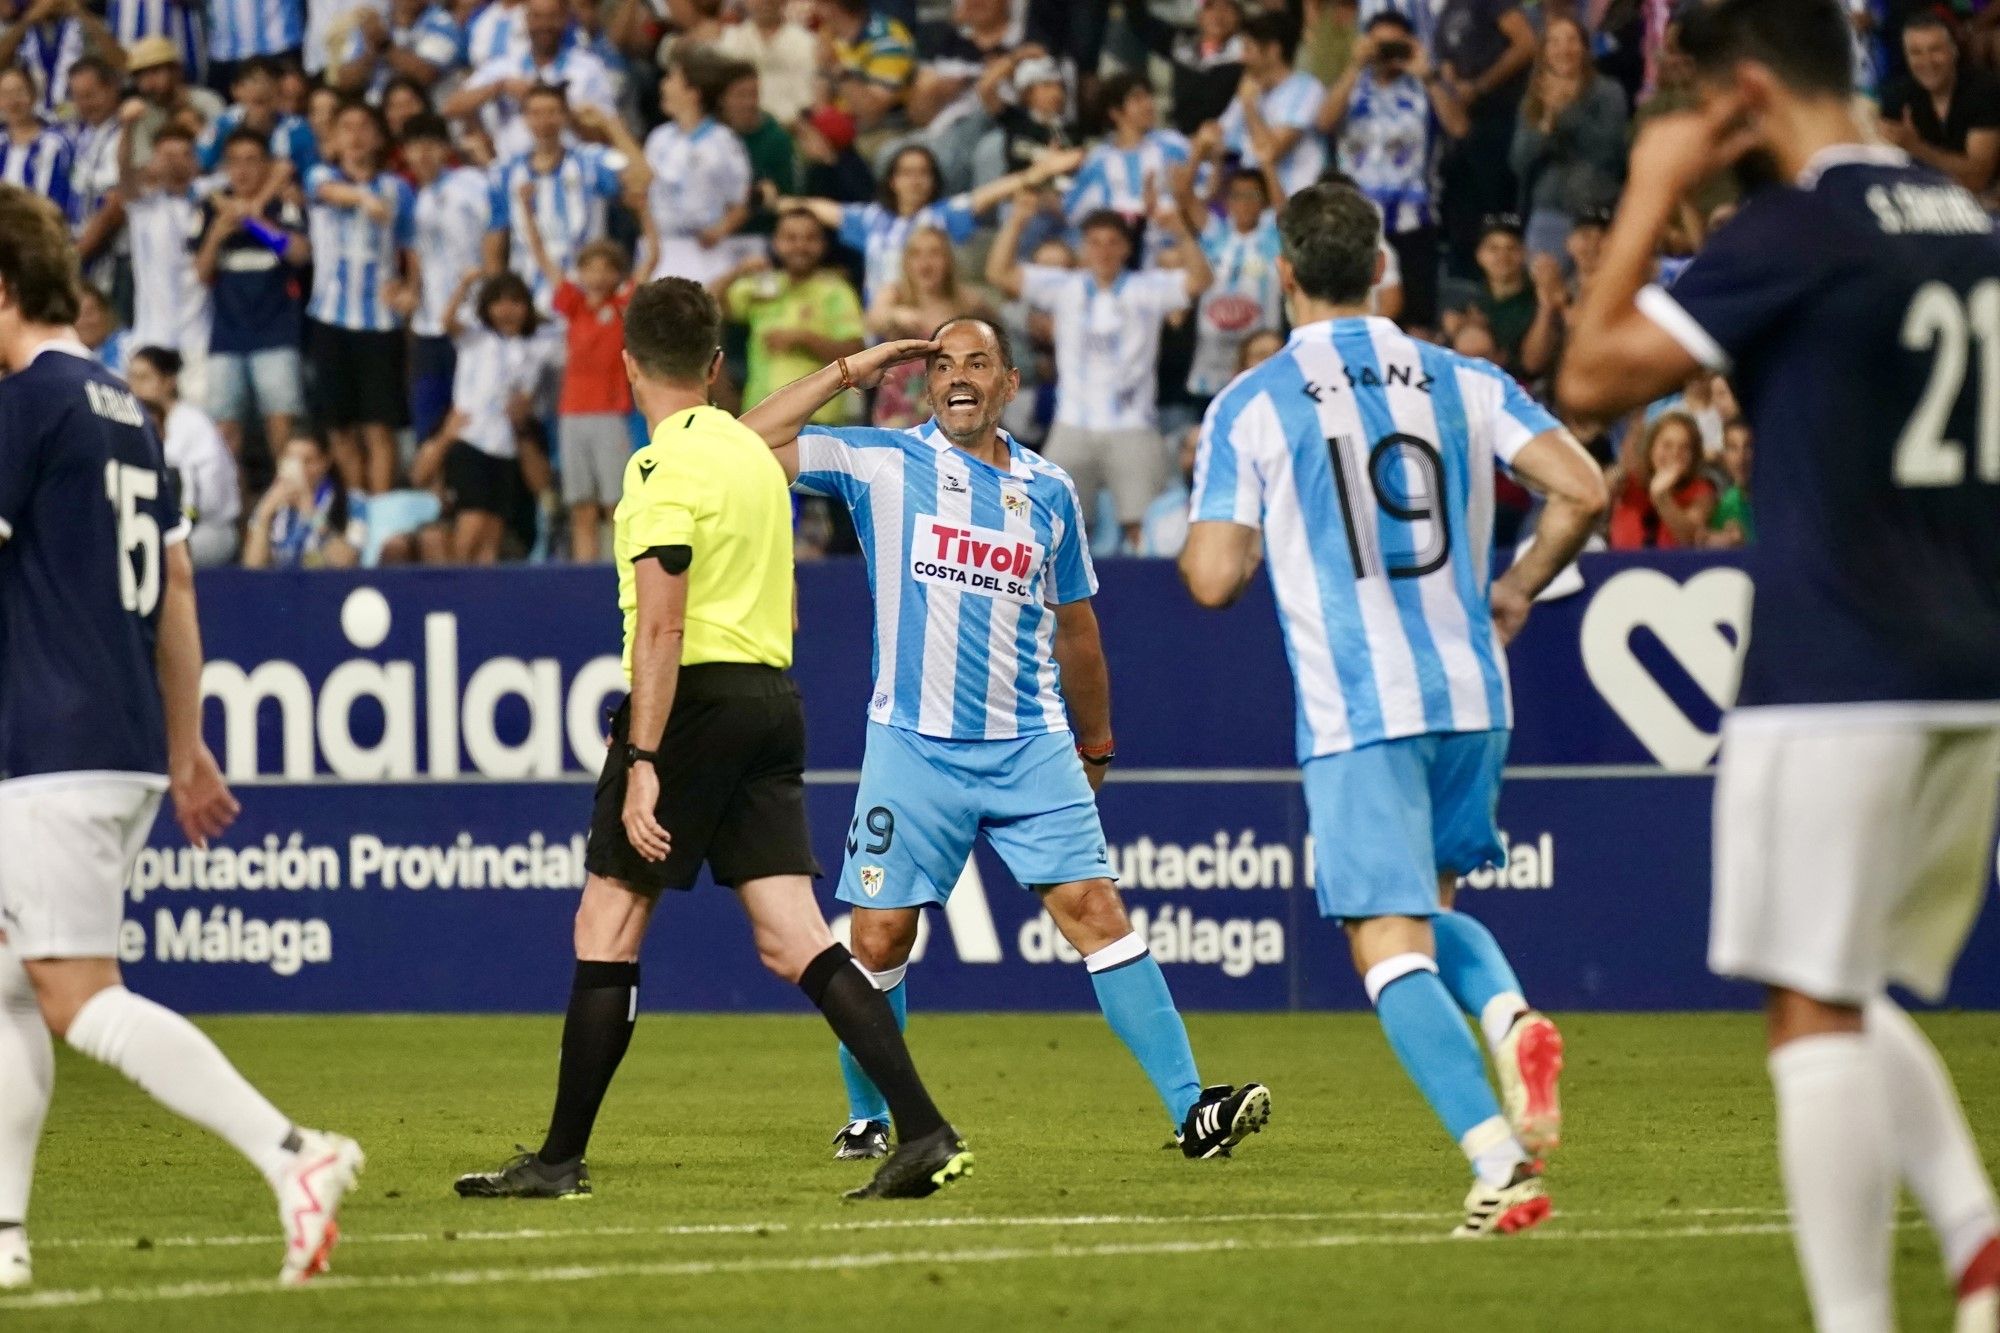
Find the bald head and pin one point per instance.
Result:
(971, 379)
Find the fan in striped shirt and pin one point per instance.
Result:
(47, 38)
(133, 20)
(33, 153)
(242, 30)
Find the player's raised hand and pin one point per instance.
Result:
(203, 805)
(867, 367)
(642, 822)
(1681, 149)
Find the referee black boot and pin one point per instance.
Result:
(527, 1176)
(920, 1167)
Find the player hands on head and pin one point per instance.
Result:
(101, 718)
(964, 739)
(707, 756)
(1855, 302)
(1364, 460)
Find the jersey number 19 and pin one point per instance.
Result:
(138, 531)
(1406, 475)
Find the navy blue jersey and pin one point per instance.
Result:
(87, 509)
(1857, 314)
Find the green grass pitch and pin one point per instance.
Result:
(718, 1206)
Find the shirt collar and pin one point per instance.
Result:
(1326, 328)
(65, 342)
(1850, 155)
(1016, 465)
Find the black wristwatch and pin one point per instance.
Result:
(635, 755)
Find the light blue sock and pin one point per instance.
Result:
(1476, 972)
(864, 1099)
(1429, 1037)
(1133, 993)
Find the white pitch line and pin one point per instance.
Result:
(454, 1234)
(471, 1277)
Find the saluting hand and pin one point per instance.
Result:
(867, 367)
(642, 824)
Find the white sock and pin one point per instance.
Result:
(1934, 1147)
(1493, 1151)
(179, 1067)
(1498, 1017)
(1837, 1151)
(27, 1079)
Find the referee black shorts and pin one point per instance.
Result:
(732, 784)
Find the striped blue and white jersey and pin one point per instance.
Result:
(497, 30)
(1366, 458)
(292, 140)
(1292, 105)
(967, 564)
(43, 165)
(578, 71)
(1107, 341)
(1115, 178)
(698, 176)
(571, 208)
(242, 29)
(880, 236)
(1421, 14)
(93, 172)
(453, 215)
(354, 256)
(47, 51)
(129, 20)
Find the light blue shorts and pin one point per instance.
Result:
(1389, 818)
(270, 382)
(923, 801)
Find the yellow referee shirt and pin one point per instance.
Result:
(710, 483)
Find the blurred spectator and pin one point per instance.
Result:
(498, 90)
(1946, 113)
(1483, 49)
(768, 145)
(402, 102)
(952, 56)
(1707, 401)
(1569, 142)
(1207, 60)
(255, 89)
(1275, 114)
(700, 196)
(1524, 323)
(1029, 127)
(1584, 248)
(204, 466)
(491, 432)
(1731, 524)
(1136, 160)
(1328, 29)
(1242, 248)
(1107, 345)
(575, 184)
(366, 282)
(497, 30)
(868, 59)
(240, 30)
(452, 213)
(1659, 497)
(303, 520)
(1163, 532)
(97, 328)
(169, 300)
(417, 40)
(593, 433)
(154, 67)
(96, 210)
(34, 154)
(178, 23)
(1393, 114)
(47, 38)
(910, 198)
(801, 315)
(784, 54)
(251, 250)
(926, 294)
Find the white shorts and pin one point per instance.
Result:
(1852, 846)
(67, 844)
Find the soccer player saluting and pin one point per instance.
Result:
(1365, 458)
(707, 756)
(1855, 301)
(100, 711)
(982, 583)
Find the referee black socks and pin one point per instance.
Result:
(603, 1009)
(860, 1016)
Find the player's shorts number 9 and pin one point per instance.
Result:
(1406, 476)
(881, 825)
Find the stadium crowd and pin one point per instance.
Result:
(366, 260)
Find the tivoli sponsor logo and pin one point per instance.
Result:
(975, 559)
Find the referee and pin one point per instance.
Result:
(707, 754)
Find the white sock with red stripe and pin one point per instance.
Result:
(1934, 1147)
(182, 1069)
(27, 1078)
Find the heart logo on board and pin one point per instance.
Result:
(1689, 619)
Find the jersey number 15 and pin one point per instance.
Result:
(138, 531)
